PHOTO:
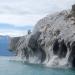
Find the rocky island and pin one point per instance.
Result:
(52, 41)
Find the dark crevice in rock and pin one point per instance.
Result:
(26, 53)
(35, 46)
(56, 47)
(62, 49)
(68, 45)
(72, 54)
(43, 54)
(33, 41)
(73, 62)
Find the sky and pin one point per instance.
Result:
(26, 13)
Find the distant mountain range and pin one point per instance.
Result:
(4, 46)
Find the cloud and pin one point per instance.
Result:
(12, 27)
(13, 33)
(20, 20)
(23, 7)
(11, 30)
(28, 12)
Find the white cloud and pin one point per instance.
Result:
(19, 20)
(28, 12)
(22, 7)
(13, 33)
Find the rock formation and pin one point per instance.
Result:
(52, 41)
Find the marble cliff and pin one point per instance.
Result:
(52, 41)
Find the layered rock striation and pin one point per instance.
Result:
(52, 41)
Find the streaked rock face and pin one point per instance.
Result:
(51, 42)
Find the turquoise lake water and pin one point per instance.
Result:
(18, 68)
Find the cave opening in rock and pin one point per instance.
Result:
(62, 49)
(56, 47)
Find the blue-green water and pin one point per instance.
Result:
(4, 46)
(18, 68)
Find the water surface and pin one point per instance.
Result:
(8, 67)
(4, 46)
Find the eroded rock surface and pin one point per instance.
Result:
(52, 40)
